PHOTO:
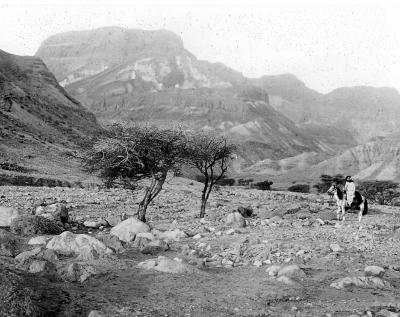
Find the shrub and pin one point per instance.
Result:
(265, 185)
(299, 188)
(327, 180)
(30, 224)
(381, 192)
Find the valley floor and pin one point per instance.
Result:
(229, 275)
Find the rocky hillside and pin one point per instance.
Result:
(136, 75)
(363, 112)
(38, 118)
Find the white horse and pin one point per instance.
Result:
(359, 202)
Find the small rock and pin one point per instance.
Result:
(236, 220)
(155, 247)
(230, 232)
(39, 240)
(273, 270)
(92, 224)
(335, 247)
(286, 280)
(374, 270)
(387, 313)
(257, 263)
(7, 215)
(114, 220)
(197, 236)
(361, 281)
(96, 313)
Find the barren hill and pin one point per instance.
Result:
(38, 118)
(136, 75)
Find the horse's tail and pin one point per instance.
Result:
(365, 210)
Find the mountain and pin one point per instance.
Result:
(39, 120)
(363, 112)
(135, 75)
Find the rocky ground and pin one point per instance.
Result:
(289, 258)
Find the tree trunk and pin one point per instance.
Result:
(203, 201)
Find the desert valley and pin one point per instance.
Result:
(72, 246)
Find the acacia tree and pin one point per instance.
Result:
(210, 155)
(129, 154)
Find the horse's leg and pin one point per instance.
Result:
(343, 209)
(339, 209)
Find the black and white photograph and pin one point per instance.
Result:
(199, 158)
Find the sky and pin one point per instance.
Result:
(326, 44)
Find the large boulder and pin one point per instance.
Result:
(128, 229)
(235, 219)
(30, 225)
(112, 242)
(22, 294)
(56, 212)
(82, 245)
(373, 270)
(7, 215)
(10, 244)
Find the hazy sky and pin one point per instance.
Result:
(327, 46)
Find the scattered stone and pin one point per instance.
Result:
(128, 229)
(374, 270)
(39, 240)
(96, 313)
(77, 272)
(114, 220)
(171, 235)
(27, 255)
(291, 271)
(335, 247)
(7, 215)
(83, 245)
(197, 236)
(236, 220)
(386, 313)
(167, 265)
(154, 247)
(257, 263)
(56, 212)
(230, 232)
(112, 242)
(92, 224)
(286, 280)
(361, 281)
(245, 211)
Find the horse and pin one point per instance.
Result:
(359, 203)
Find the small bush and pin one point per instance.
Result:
(265, 185)
(28, 225)
(10, 245)
(299, 188)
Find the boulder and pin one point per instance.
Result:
(170, 235)
(82, 245)
(29, 225)
(28, 255)
(291, 271)
(273, 270)
(128, 229)
(7, 215)
(362, 282)
(245, 211)
(78, 272)
(154, 247)
(10, 244)
(236, 220)
(22, 294)
(43, 267)
(167, 265)
(56, 212)
(374, 270)
(114, 220)
(112, 242)
(39, 240)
